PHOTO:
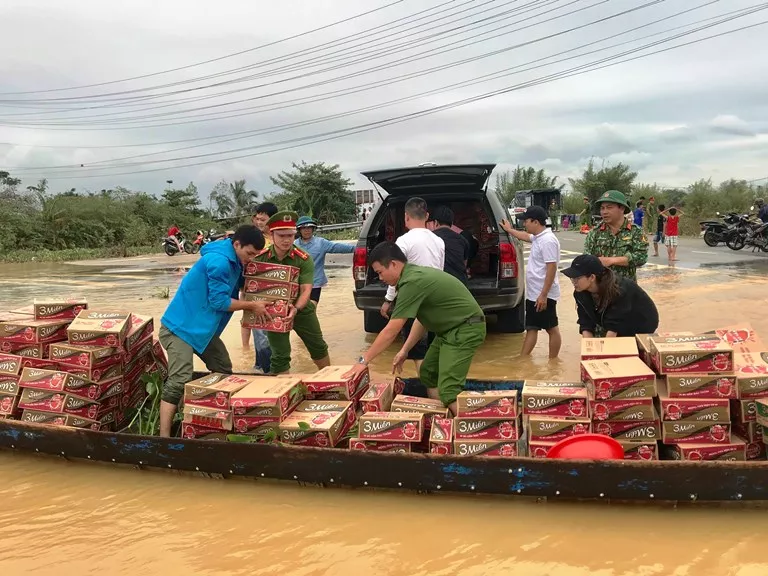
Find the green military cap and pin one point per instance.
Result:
(614, 197)
(283, 220)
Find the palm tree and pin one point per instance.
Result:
(242, 198)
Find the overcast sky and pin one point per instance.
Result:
(695, 112)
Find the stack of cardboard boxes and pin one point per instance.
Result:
(487, 424)
(276, 284)
(553, 411)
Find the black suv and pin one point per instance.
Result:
(497, 276)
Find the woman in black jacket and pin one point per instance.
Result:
(608, 305)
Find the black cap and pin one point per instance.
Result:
(584, 265)
(535, 213)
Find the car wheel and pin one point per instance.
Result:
(373, 322)
(511, 321)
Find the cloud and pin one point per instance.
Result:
(675, 117)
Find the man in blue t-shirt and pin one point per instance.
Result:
(638, 213)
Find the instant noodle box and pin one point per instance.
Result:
(701, 385)
(32, 353)
(638, 431)
(750, 431)
(255, 425)
(697, 409)
(99, 328)
(9, 404)
(9, 384)
(742, 338)
(639, 450)
(605, 348)
(332, 379)
(205, 417)
(267, 396)
(487, 448)
(139, 331)
(84, 356)
(55, 380)
(466, 428)
(213, 390)
(275, 308)
(549, 429)
(441, 436)
(428, 406)
(761, 410)
(488, 404)
(99, 374)
(697, 354)
(695, 432)
(743, 411)
(33, 331)
(751, 374)
(735, 450)
(10, 364)
(271, 290)
(192, 431)
(50, 418)
(755, 451)
(623, 409)
(379, 445)
(58, 308)
(619, 378)
(644, 343)
(561, 401)
(46, 400)
(271, 271)
(319, 429)
(399, 426)
(539, 448)
(378, 397)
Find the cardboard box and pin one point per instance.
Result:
(548, 384)
(191, 431)
(619, 378)
(638, 431)
(697, 409)
(271, 271)
(695, 432)
(539, 448)
(318, 429)
(330, 379)
(255, 425)
(46, 400)
(50, 418)
(750, 431)
(339, 395)
(486, 448)
(551, 429)
(55, 380)
(701, 385)
(751, 374)
(97, 328)
(378, 397)
(32, 351)
(489, 404)
(761, 409)
(41, 363)
(99, 374)
(91, 409)
(9, 384)
(697, 354)
(563, 402)
(96, 390)
(486, 428)
(140, 331)
(441, 436)
(277, 309)
(214, 390)
(10, 364)
(379, 445)
(398, 426)
(271, 290)
(34, 331)
(605, 348)
(267, 396)
(625, 409)
(204, 417)
(58, 308)
(735, 450)
(640, 450)
(742, 338)
(743, 411)
(84, 356)
(428, 406)
(9, 404)
(755, 451)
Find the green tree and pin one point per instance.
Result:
(528, 178)
(222, 204)
(593, 183)
(242, 198)
(316, 190)
(186, 199)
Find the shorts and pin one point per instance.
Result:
(659, 238)
(544, 320)
(315, 294)
(671, 241)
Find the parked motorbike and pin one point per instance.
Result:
(750, 231)
(171, 248)
(212, 236)
(717, 231)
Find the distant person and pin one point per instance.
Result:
(364, 214)
(659, 236)
(672, 231)
(620, 245)
(651, 214)
(554, 215)
(261, 214)
(638, 214)
(542, 287)
(762, 209)
(456, 245)
(317, 248)
(608, 305)
(175, 234)
(423, 248)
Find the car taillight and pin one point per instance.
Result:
(360, 264)
(507, 260)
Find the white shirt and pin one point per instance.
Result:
(545, 249)
(421, 247)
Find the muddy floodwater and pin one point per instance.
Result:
(60, 518)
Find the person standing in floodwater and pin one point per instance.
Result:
(318, 248)
(672, 231)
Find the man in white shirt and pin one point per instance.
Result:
(542, 287)
(423, 248)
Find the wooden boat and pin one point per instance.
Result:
(555, 479)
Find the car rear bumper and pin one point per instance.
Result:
(504, 299)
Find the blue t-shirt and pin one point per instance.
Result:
(638, 212)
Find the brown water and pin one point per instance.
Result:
(58, 517)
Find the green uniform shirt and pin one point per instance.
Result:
(651, 215)
(438, 300)
(630, 241)
(295, 257)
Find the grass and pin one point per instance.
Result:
(335, 235)
(77, 254)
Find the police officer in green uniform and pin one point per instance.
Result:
(621, 246)
(440, 304)
(282, 228)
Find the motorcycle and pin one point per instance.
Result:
(750, 231)
(171, 247)
(717, 231)
(212, 236)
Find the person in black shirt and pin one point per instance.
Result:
(659, 237)
(456, 245)
(608, 305)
